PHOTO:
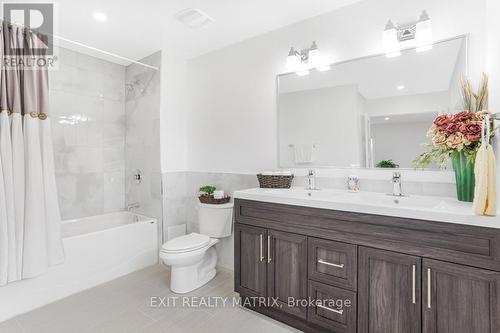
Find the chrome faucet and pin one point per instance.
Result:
(133, 205)
(311, 180)
(396, 183)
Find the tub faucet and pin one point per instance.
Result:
(311, 180)
(133, 205)
(396, 183)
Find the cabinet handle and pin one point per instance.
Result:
(261, 250)
(321, 261)
(268, 249)
(330, 309)
(413, 286)
(428, 288)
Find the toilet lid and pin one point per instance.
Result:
(189, 242)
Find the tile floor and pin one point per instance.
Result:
(124, 305)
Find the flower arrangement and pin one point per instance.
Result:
(460, 133)
(458, 137)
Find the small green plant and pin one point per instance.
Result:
(208, 189)
(387, 164)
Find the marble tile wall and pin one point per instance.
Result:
(87, 111)
(181, 189)
(142, 143)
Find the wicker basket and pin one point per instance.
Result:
(209, 199)
(266, 181)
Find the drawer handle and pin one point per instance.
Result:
(269, 259)
(428, 288)
(321, 261)
(330, 309)
(261, 251)
(413, 285)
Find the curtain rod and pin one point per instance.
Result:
(105, 52)
(85, 46)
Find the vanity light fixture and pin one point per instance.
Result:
(387, 118)
(420, 31)
(302, 61)
(400, 87)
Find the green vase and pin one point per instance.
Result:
(464, 177)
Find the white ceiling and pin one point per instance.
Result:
(378, 77)
(135, 29)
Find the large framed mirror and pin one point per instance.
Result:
(371, 112)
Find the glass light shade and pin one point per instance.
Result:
(314, 57)
(423, 38)
(292, 62)
(390, 40)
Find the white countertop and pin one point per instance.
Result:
(415, 207)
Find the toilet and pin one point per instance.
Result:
(192, 257)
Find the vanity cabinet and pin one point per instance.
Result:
(399, 275)
(389, 292)
(271, 264)
(459, 299)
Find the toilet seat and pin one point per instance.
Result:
(187, 243)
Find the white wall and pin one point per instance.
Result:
(410, 104)
(400, 142)
(232, 118)
(329, 118)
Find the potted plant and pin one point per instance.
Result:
(458, 137)
(387, 164)
(207, 196)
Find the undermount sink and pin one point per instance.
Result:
(416, 207)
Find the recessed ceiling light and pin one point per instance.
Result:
(400, 87)
(99, 16)
(387, 118)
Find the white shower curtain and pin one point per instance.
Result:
(30, 231)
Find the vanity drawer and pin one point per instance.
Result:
(334, 263)
(334, 308)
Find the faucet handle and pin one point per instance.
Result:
(396, 175)
(311, 172)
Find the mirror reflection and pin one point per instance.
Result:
(369, 112)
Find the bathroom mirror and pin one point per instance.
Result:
(370, 111)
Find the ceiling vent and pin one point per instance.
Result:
(194, 18)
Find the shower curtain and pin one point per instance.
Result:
(30, 231)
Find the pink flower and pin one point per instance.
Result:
(464, 116)
(442, 121)
(453, 128)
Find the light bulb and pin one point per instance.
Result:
(423, 37)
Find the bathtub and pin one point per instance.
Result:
(98, 249)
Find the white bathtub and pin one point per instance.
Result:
(98, 249)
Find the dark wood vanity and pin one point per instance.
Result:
(399, 275)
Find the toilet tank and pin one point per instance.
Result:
(216, 220)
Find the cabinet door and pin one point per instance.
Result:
(287, 270)
(459, 299)
(250, 253)
(389, 299)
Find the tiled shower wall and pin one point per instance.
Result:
(142, 143)
(87, 110)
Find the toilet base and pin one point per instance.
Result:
(184, 279)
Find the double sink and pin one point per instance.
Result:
(417, 207)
